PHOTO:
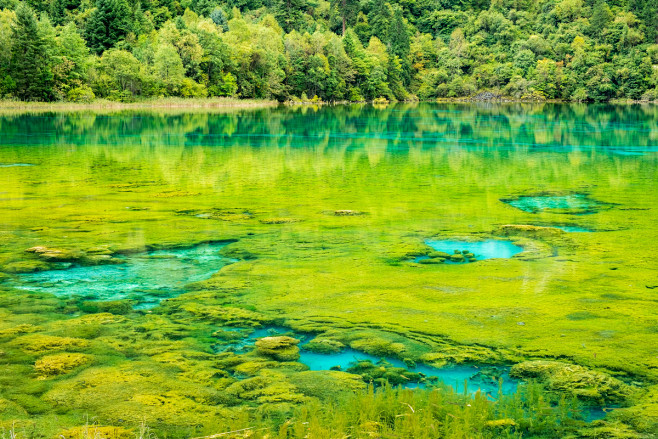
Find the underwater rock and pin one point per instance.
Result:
(281, 348)
(529, 231)
(279, 221)
(49, 254)
(346, 212)
(589, 386)
(59, 364)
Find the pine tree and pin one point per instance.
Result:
(380, 20)
(346, 9)
(218, 16)
(399, 42)
(601, 16)
(30, 63)
(108, 24)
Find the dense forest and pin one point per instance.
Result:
(355, 50)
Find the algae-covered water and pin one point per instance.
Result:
(139, 250)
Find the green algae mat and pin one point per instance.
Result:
(160, 272)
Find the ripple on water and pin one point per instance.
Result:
(148, 278)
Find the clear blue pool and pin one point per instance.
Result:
(146, 278)
(489, 249)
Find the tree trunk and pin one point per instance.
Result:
(344, 17)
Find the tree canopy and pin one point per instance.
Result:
(580, 50)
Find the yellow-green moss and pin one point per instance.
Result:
(59, 364)
(96, 432)
(40, 343)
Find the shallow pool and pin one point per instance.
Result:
(147, 278)
(489, 249)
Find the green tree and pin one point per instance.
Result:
(346, 10)
(399, 42)
(601, 16)
(168, 68)
(30, 65)
(380, 20)
(108, 23)
(289, 13)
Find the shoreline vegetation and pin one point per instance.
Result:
(145, 104)
(224, 103)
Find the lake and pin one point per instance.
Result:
(138, 248)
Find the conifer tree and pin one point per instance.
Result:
(30, 64)
(399, 43)
(380, 20)
(601, 16)
(108, 24)
(218, 16)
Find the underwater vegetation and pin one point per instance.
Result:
(201, 273)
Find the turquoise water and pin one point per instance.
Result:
(146, 278)
(454, 376)
(574, 229)
(14, 165)
(574, 204)
(488, 249)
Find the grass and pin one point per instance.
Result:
(104, 105)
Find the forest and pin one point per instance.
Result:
(338, 50)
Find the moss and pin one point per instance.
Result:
(119, 307)
(10, 408)
(59, 364)
(441, 255)
(431, 261)
(324, 346)
(138, 392)
(378, 346)
(229, 316)
(29, 266)
(280, 348)
(643, 415)
(96, 432)
(326, 384)
(462, 354)
(457, 258)
(41, 343)
(383, 373)
(536, 232)
(24, 328)
(587, 385)
(266, 389)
